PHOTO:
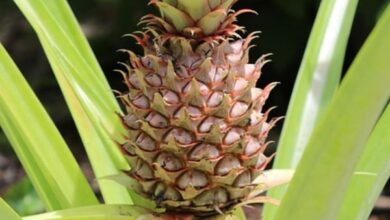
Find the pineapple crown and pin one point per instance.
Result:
(206, 20)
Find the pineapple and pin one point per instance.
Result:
(196, 131)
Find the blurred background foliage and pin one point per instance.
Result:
(285, 25)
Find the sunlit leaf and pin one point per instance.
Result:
(22, 197)
(325, 171)
(39, 146)
(317, 80)
(364, 190)
(7, 212)
(90, 99)
(101, 212)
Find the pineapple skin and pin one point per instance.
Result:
(196, 130)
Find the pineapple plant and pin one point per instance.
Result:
(195, 130)
(196, 125)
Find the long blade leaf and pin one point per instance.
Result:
(38, 144)
(7, 212)
(85, 88)
(23, 198)
(317, 80)
(322, 177)
(364, 190)
(103, 212)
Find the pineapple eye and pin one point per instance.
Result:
(169, 162)
(204, 151)
(238, 109)
(131, 121)
(196, 179)
(215, 99)
(129, 148)
(156, 120)
(194, 111)
(141, 101)
(143, 170)
(240, 85)
(181, 136)
(252, 146)
(170, 97)
(226, 164)
(134, 81)
(153, 80)
(212, 197)
(145, 142)
(233, 136)
(243, 179)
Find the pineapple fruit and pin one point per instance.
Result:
(196, 131)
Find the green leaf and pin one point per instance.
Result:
(87, 93)
(316, 83)
(238, 213)
(22, 197)
(364, 190)
(7, 212)
(103, 212)
(39, 146)
(324, 173)
(178, 18)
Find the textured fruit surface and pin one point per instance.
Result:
(197, 131)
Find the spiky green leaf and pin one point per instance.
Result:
(323, 175)
(7, 212)
(38, 144)
(364, 190)
(97, 212)
(85, 88)
(317, 80)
